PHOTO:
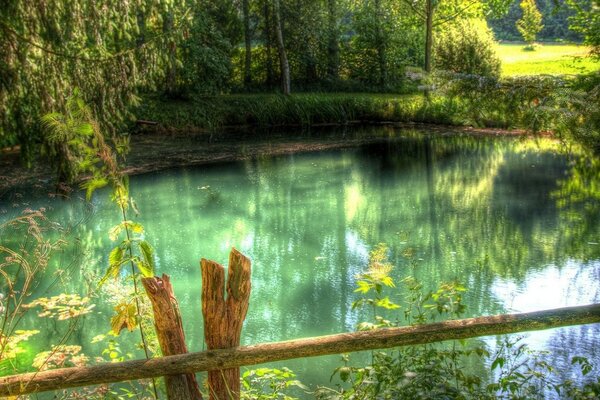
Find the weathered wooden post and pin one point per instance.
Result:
(169, 329)
(223, 317)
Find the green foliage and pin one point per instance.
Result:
(27, 248)
(439, 371)
(62, 307)
(10, 344)
(587, 21)
(536, 103)
(297, 109)
(556, 15)
(61, 356)
(205, 57)
(414, 372)
(467, 47)
(268, 384)
(108, 52)
(531, 22)
(384, 43)
(97, 158)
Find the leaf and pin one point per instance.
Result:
(114, 232)
(498, 362)
(116, 256)
(92, 185)
(363, 287)
(366, 326)
(144, 268)
(125, 318)
(115, 261)
(132, 226)
(386, 303)
(148, 254)
(134, 206)
(85, 129)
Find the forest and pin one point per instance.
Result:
(398, 188)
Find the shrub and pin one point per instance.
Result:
(467, 47)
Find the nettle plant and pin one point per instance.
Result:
(77, 135)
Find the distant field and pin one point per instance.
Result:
(554, 59)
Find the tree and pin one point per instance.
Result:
(587, 21)
(108, 52)
(530, 23)
(434, 13)
(555, 13)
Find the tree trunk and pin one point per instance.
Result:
(171, 73)
(223, 318)
(247, 43)
(381, 45)
(169, 329)
(333, 47)
(283, 60)
(429, 9)
(269, 45)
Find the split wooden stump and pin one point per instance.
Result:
(224, 317)
(169, 329)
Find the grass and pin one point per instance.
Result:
(298, 109)
(552, 59)
(269, 109)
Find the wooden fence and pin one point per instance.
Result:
(230, 359)
(310, 347)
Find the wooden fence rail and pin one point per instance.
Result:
(325, 345)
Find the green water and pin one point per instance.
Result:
(497, 214)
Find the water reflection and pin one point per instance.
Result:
(499, 214)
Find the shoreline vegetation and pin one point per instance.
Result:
(232, 144)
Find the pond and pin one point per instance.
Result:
(499, 214)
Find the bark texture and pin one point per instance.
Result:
(224, 317)
(310, 347)
(284, 64)
(169, 329)
(247, 43)
(429, 9)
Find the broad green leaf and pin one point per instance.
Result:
(116, 256)
(148, 255)
(144, 268)
(115, 261)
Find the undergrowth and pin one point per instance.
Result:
(430, 371)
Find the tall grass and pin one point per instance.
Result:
(299, 109)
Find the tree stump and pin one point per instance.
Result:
(223, 317)
(169, 329)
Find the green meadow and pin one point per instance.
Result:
(552, 59)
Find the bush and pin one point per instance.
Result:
(466, 47)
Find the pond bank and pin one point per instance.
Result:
(152, 151)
